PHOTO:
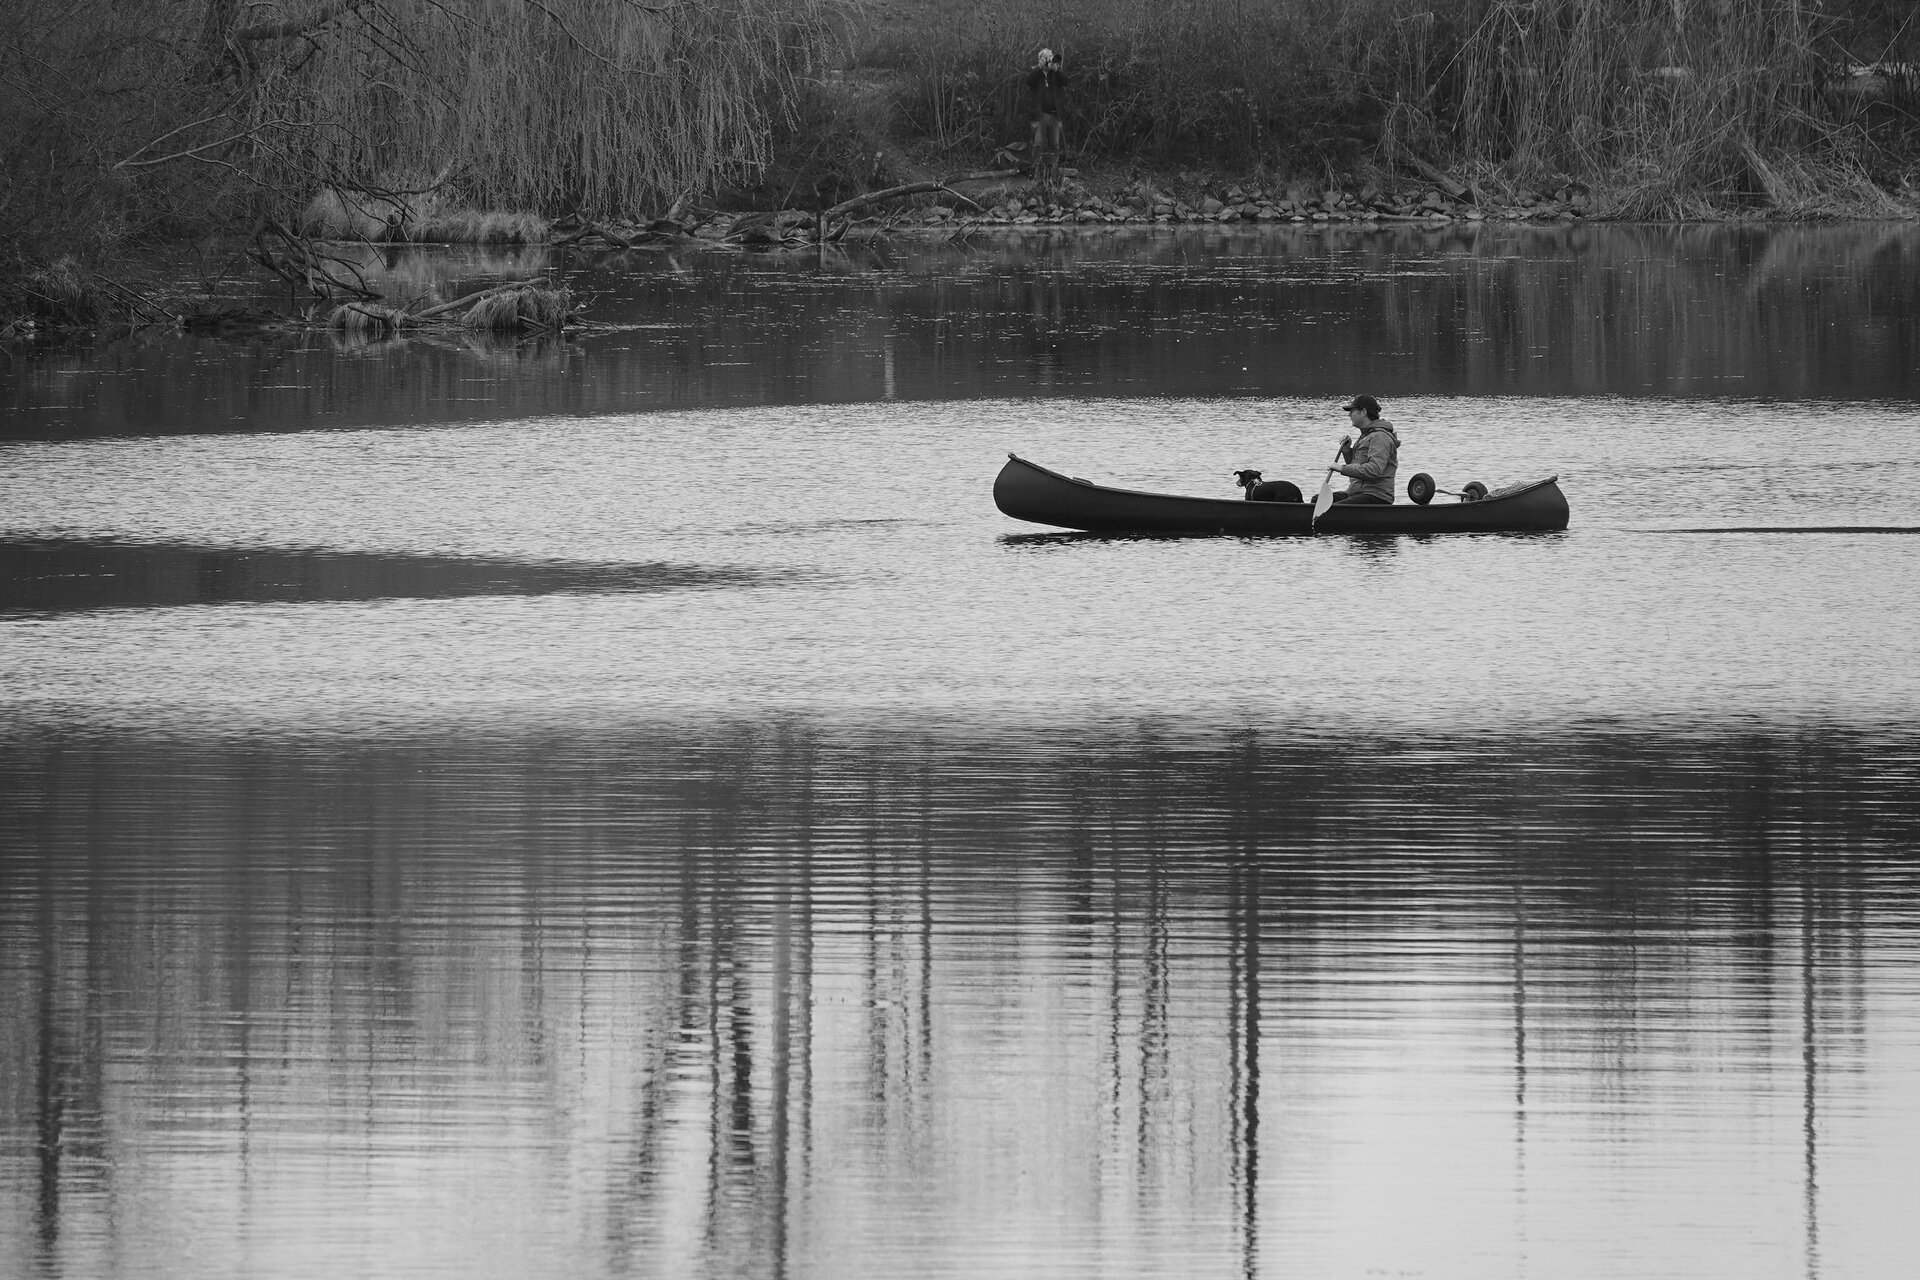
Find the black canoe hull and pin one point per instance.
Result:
(1027, 491)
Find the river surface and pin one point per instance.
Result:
(631, 806)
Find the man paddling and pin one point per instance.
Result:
(1370, 461)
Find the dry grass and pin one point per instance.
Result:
(366, 319)
(144, 121)
(531, 307)
(474, 226)
(1677, 110)
(125, 122)
(335, 214)
(1665, 110)
(1185, 81)
(62, 295)
(598, 104)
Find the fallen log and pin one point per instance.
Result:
(135, 303)
(1455, 189)
(523, 304)
(919, 188)
(944, 185)
(587, 231)
(444, 307)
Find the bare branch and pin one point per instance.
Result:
(242, 173)
(917, 188)
(577, 41)
(296, 26)
(588, 49)
(194, 152)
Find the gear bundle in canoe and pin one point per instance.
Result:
(1028, 491)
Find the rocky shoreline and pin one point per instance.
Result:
(1144, 203)
(1141, 202)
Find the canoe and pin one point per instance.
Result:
(1028, 491)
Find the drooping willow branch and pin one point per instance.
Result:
(296, 26)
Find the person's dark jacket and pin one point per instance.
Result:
(1048, 85)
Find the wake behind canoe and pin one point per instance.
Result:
(1028, 491)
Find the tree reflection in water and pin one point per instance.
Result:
(751, 1001)
(1790, 312)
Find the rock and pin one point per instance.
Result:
(1210, 206)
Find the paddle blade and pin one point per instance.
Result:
(1325, 500)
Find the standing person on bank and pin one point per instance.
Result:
(1370, 461)
(1048, 83)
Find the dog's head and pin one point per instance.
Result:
(1246, 479)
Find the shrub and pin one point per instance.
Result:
(1673, 109)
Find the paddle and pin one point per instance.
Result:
(1325, 500)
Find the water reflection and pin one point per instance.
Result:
(772, 1001)
(1747, 311)
(63, 575)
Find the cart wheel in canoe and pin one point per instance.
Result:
(1473, 491)
(1421, 489)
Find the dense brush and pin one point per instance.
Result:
(1672, 110)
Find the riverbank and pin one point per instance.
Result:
(131, 288)
(638, 127)
(68, 298)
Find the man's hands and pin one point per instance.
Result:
(1346, 448)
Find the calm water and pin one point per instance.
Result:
(633, 807)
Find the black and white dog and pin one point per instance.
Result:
(1259, 490)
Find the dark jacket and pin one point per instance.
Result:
(1049, 86)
